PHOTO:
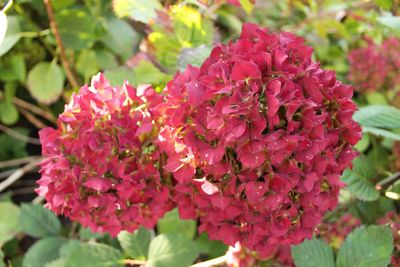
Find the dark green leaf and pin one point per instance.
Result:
(43, 251)
(171, 250)
(313, 253)
(143, 11)
(76, 28)
(12, 34)
(120, 38)
(37, 221)
(46, 82)
(379, 116)
(367, 246)
(9, 224)
(212, 248)
(171, 223)
(93, 255)
(358, 179)
(86, 233)
(136, 245)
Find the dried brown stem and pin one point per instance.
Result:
(32, 119)
(19, 136)
(15, 162)
(53, 25)
(18, 174)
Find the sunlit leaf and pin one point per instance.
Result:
(143, 11)
(12, 35)
(312, 253)
(9, 224)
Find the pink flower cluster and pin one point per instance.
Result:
(256, 139)
(237, 2)
(100, 164)
(376, 67)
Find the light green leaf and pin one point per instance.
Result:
(43, 251)
(147, 73)
(12, 34)
(392, 22)
(37, 221)
(139, 10)
(358, 179)
(171, 223)
(168, 250)
(382, 133)
(313, 253)
(363, 144)
(194, 56)
(120, 38)
(86, 64)
(385, 4)
(14, 69)
(76, 28)
(46, 82)
(136, 245)
(86, 233)
(366, 246)
(1, 259)
(8, 113)
(93, 255)
(9, 224)
(3, 26)
(247, 6)
(106, 59)
(379, 116)
(376, 98)
(117, 76)
(56, 263)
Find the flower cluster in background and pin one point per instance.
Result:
(376, 67)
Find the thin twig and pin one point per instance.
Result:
(17, 175)
(19, 136)
(6, 173)
(210, 263)
(15, 162)
(53, 25)
(388, 181)
(32, 119)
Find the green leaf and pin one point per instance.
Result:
(37, 221)
(86, 233)
(120, 38)
(76, 28)
(363, 144)
(247, 6)
(382, 133)
(93, 255)
(171, 223)
(379, 116)
(193, 56)
(366, 246)
(313, 253)
(106, 59)
(9, 224)
(385, 4)
(358, 179)
(56, 263)
(376, 98)
(43, 251)
(117, 76)
(136, 245)
(147, 73)
(3, 26)
(392, 22)
(139, 10)
(46, 82)
(212, 248)
(171, 250)
(12, 34)
(1, 259)
(8, 113)
(86, 64)
(12, 148)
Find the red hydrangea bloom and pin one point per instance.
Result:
(393, 219)
(380, 63)
(100, 163)
(256, 139)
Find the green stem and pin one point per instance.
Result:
(7, 6)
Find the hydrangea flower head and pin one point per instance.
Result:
(100, 165)
(256, 139)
